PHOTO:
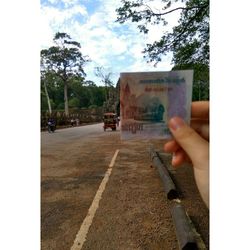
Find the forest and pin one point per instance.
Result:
(63, 79)
(81, 93)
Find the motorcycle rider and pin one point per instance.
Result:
(51, 125)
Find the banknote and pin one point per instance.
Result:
(149, 99)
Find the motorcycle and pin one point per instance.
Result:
(51, 126)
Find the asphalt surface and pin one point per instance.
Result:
(133, 212)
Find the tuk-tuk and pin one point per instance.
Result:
(110, 121)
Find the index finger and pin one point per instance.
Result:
(200, 109)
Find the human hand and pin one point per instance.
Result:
(191, 144)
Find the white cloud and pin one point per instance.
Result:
(106, 42)
(54, 20)
(70, 2)
(58, 17)
(53, 1)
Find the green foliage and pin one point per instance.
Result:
(60, 106)
(82, 94)
(63, 64)
(105, 77)
(189, 41)
(74, 103)
(97, 95)
(65, 59)
(92, 106)
(44, 102)
(201, 80)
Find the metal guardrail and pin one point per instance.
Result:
(186, 234)
(184, 231)
(167, 181)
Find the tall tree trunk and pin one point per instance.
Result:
(47, 95)
(66, 103)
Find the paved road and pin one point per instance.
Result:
(133, 211)
(73, 163)
(70, 134)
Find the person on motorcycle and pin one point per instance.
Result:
(51, 125)
(72, 122)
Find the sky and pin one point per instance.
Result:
(115, 47)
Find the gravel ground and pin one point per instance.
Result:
(133, 212)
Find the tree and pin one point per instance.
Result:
(77, 90)
(189, 41)
(74, 102)
(49, 89)
(65, 60)
(96, 94)
(44, 81)
(105, 77)
(200, 82)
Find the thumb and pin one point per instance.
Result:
(191, 142)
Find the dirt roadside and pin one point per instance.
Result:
(133, 212)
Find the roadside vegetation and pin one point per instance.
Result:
(63, 84)
(188, 41)
(63, 79)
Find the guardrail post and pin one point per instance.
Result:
(184, 232)
(168, 184)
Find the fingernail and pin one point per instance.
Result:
(175, 123)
